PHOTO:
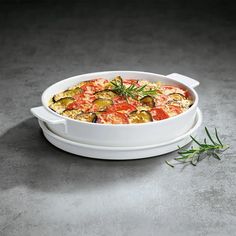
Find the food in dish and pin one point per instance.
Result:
(121, 101)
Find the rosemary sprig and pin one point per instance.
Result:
(195, 155)
(130, 91)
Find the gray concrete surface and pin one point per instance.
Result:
(45, 191)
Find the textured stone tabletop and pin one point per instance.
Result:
(45, 191)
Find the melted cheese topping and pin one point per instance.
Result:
(154, 101)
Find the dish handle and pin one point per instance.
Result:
(192, 83)
(44, 115)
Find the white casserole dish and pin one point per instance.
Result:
(121, 153)
(123, 135)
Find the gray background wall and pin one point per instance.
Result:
(45, 191)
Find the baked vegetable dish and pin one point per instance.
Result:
(121, 101)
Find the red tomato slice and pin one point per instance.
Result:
(122, 107)
(187, 94)
(162, 99)
(118, 99)
(113, 118)
(130, 81)
(158, 114)
(175, 109)
(79, 96)
(84, 97)
(91, 87)
(74, 105)
(169, 87)
(135, 103)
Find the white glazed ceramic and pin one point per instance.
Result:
(150, 133)
(120, 153)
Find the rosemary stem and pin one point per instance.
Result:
(192, 155)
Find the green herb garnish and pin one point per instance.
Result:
(195, 155)
(130, 91)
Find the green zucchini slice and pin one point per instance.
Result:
(60, 105)
(67, 93)
(140, 117)
(88, 117)
(177, 96)
(101, 104)
(117, 80)
(185, 103)
(148, 101)
(106, 94)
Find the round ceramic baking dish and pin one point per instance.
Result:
(119, 134)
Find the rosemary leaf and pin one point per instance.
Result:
(195, 140)
(217, 137)
(208, 134)
(169, 164)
